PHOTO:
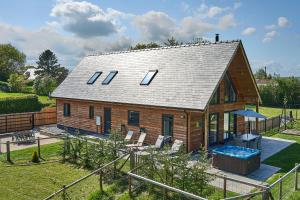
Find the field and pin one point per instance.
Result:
(46, 102)
(272, 112)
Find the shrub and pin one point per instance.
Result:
(17, 82)
(29, 103)
(44, 85)
(4, 86)
(35, 157)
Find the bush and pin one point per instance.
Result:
(4, 86)
(17, 82)
(35, 157)
(29, 103)
(44, 85)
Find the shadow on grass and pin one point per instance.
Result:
(286, 158)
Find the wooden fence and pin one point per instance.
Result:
(265, 125)
(26, 121)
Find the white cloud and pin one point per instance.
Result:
(227, 21)
(185, 6)
(249, 31)
(283, 22)
(237, 5)
(154, 26)
(86, 19)
(69, 49)
(270, 27)
(269, 36)
(214, 11)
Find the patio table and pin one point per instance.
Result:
(248, 138)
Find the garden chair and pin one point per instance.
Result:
(139, 143)
(128, 136)
(175, 147)
(158, 144)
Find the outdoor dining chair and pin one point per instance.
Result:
(139, 143)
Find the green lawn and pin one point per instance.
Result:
(45, 101)
(272, 112)
(286, 160)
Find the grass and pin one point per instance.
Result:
(45, 101)
(286, 160)
(272, 112)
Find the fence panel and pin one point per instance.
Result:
(26, 121)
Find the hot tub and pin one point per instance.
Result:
(235, 159)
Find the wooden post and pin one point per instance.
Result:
(32, 122)
(101, 181)
(6, 128)
(265, 125)
(280, 190)
(8, 151)
(129, 186)
(225, 187)
(64, 195)
(296, 177)
(39, 147)
(257, 110)
(206, 128)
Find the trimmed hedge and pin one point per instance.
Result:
(4, 86)
(29, 103)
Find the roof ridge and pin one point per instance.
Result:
(163, 47)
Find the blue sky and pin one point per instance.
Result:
(270, 30)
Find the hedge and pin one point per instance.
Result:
(4, 86)
(29, 103)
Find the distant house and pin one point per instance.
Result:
(187, 92)
(264, 82)
(30, 73)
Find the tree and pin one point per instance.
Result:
(62, 74)
(17, 82)
(144, 46)
(11, 60)
(172, 42)
(47, 65)
(43, 85)
(261, 74)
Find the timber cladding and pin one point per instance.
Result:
(150, 118)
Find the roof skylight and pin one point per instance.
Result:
(149, 77)
(94, 78)
(109, 77)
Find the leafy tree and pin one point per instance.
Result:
(11, 60)
(43, 85)
(260, 74)
(17, 82)
(62, 74)
(172, 42)
(144, 46)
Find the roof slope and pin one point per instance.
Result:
(187, 76)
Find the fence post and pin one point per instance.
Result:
(64, 195)
(296, 176)
(225, 187)
(100, 180)
(6, 128)
(39, 147)
(32, 122)
(265, 125)
(272, 122)
(280, 189)
(8, 151)
(265, 194)
(129, 186)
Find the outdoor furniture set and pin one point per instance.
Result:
(26, 137)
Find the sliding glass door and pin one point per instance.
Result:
(230, 124)
(213, 128)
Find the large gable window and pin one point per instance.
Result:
(94, 78)
(229, 90)
(216, 97)
(133, 118)
(149, 77)
(109, 77)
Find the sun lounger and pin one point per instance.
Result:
(139, 143)
(158, 144)
(128, 136)
(175, 147)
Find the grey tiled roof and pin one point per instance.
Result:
(187, 76)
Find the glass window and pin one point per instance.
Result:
(229, 90)
(109, 77)
(215, 98)
(133, 118)
(67, 109)
(229, 124)
(91, 112)
(167, 125)
(213, 128)
(94, 78)
(149, 77)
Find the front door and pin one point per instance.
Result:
(107, 120)
(213, 128)
(167, 125)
